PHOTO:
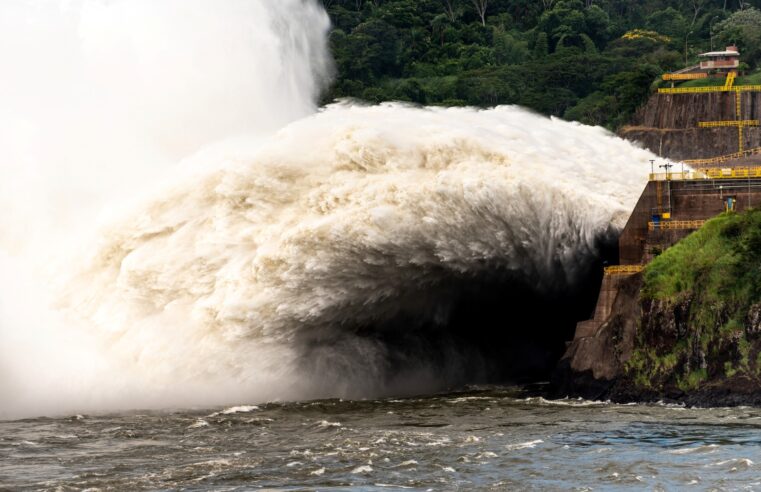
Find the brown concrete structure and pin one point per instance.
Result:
(686, 200)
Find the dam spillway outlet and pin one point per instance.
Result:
(490, 329)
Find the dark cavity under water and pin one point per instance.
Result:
(490, 439)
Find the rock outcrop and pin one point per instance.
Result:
(688, 329)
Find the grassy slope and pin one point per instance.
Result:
(753, 78)
(699, 293)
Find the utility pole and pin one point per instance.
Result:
(711, 29)
(686, 38)
(668, 166)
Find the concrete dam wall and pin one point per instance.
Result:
(668, 124)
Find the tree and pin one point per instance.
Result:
(565, 21)
(697, 6)
(449, 10)
(743, 28)
(669, 22)
(481, 6)
(487, 52)
(541, 46)
(598, 25)
(547, 4)
(439, 25)
(508, 50)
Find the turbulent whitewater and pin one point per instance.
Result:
(263, 266)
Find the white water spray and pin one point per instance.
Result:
(209, 288)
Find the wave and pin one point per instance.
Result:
(326, 259)
(342, 223)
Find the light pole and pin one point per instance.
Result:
(711, 29)
(686, 38)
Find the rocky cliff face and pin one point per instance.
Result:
(688, 329)
(668, 124)
(650, 351)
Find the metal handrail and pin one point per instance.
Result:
(724, 158)
(717, 124)
(685, 76)
(676, 225)
(715, 88)
(709, 173)
(624, 269)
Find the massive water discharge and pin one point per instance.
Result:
(182, 225)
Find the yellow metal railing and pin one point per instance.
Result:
(684, 76)
(723, 158)
(679, 176)
(709, 173)
(716, 124)
(624, 269)
(735, 172)
(676, 225)
(717, 88)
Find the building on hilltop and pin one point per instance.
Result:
(721, 61)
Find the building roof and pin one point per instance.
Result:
(721, 53)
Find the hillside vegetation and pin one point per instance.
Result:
(593, 61)
(702, 308)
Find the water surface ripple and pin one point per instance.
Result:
(493, 439)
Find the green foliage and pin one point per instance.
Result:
(692, 380)
(723, 258)
(541, 45)
(743, 28)
(708, 282)
(669, 22)
(591, 61)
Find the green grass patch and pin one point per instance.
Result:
(706, 284)
(753, 78)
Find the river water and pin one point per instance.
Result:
(485, 439)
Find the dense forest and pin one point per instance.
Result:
(593, 61)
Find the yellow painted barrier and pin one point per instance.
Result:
(687, 175)
(676, 225)
(624, 269)
(717, 88)
(728, 173)
(723, 158)
(716, 124)
(709, 173)
(684, 76)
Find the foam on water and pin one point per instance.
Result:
(215, 284)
